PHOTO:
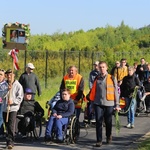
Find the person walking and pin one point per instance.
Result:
(115, 69)
(3, 92)
(13, 100)
(75, 83)
(104, 95)
(93, 74)
(127, 89)
(121, 71)
(141, 68)
(29, 80)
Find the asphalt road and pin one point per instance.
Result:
(126, 140)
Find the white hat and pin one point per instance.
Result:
(96, 63)
(30, 65)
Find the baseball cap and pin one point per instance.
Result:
(28, 90)
(30, 65)
(96, 63)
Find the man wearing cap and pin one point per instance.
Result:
(28, 109)
(29, 80)
(13, 100)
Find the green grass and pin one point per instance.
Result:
(48, 93)
(145, 145)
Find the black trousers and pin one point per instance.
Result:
(103, 113)
(26, 124)
(10, 126)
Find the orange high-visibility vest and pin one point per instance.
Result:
(73, 85)
(110, 89)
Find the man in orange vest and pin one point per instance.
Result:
(75, 83)
(104, 95)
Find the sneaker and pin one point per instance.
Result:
(23, 136)
(93, 120)
(128, 125)
(132, 125)
(98, 144)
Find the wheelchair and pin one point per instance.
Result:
(71, 131)
(34, 127)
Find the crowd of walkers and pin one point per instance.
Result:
(13, 93)
(106, 88)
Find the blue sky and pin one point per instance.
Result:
(50, 16)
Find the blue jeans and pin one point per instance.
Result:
(130, 115)
(58, 124)
(103, 113)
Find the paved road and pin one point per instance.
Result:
(126, 139)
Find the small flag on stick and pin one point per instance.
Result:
(13, 53)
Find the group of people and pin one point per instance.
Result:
(129, 78)
(105, 88)
(103, 98)
(14, 98)
(70, 98)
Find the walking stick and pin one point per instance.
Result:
(10, 90)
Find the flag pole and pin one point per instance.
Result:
(10, 90)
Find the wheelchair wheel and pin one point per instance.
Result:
(37, 131)
(74, 130)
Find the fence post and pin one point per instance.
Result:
(79, 62)
(46, 63)
(92, 60)
(64, 65)
(25, 59)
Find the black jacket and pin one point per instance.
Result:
(30, 107)
(30, 81)
(128, 85)
(146, 85)
(141, 73)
